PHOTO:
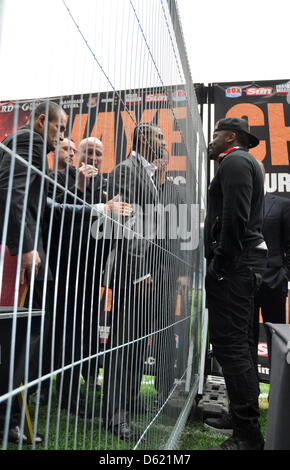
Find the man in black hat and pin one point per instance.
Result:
(236, 254)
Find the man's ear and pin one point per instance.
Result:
(231, 137)
(40, 122)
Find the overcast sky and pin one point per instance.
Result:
(233, 40)
(43, 53)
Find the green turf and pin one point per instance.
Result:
(66, 432)
(196, 436)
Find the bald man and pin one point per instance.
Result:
(82, 181)
(64, 154)
(91, 151)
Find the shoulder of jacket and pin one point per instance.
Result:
(238, 156)
(240, 152)
(26, 131)
(285, 201)
(127, 164)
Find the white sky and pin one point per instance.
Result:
(43, 54)
(236, 40)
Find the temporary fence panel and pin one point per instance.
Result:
(103, 179)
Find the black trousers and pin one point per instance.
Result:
(163, 322)
(273, 309)
(20, 354)
(125, 352)
(76, 332)
(231, 313)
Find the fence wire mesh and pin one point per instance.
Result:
(102, 188)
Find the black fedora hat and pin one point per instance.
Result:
(239, 125)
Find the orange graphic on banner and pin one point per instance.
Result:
(104, 129)
(78, 129)
(279, 134)
(108, 299)
(167, 118)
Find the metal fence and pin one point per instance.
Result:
(101, 263)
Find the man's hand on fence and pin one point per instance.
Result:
(116, 207)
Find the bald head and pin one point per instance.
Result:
(64, 153)
(91, 151)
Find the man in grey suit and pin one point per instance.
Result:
(132, 277)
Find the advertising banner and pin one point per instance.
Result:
(111, 117)
(266, 106)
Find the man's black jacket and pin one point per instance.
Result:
(29, 145)
(276, 231)
(235, 208)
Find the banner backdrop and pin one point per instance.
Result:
(108, 114)
(266, 106)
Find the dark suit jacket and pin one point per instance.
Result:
(95, 192)
(147, 254)
(235, 209)
(24, 178)
(77, 244)
(130, 180)
(276, 231)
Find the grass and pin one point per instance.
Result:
(196, 436)
(66, 432)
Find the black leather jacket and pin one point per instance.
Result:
(235, 208)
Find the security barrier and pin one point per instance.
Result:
(101, 262)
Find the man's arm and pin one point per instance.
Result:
(67, 180)
(22, 181)
(237, 187)
(122, 182)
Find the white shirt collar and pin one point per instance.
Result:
(149, 167)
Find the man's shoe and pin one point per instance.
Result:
(235, 443)
(222, 424)
(124, 431)
(15, 436)
(38, 439)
